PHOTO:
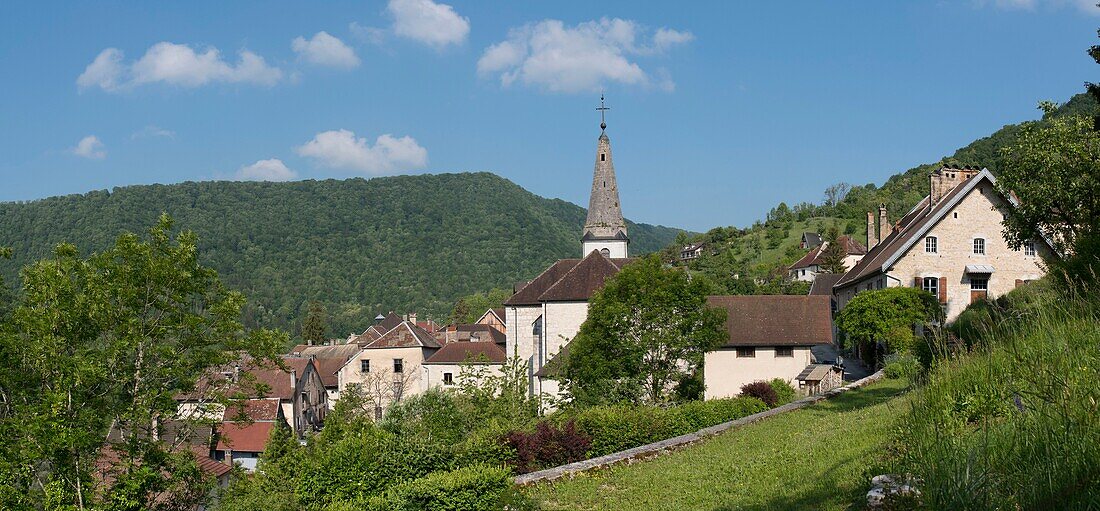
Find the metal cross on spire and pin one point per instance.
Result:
(602, 109)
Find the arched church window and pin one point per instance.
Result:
(605, 252)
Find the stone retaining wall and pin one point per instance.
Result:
(654, 449)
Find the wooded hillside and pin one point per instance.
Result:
(405, 243)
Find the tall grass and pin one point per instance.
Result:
(1014, 422)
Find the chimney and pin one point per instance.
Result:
(412, 318)
(942, 181)
(872, 240)
(884, 227)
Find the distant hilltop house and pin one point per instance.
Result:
(950, 244)
(769, 337)
(810, 241)
(809, 267)
(692, 251)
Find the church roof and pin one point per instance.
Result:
(579, 286)
(587, 277)
(605, 215)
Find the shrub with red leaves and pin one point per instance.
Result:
(761, 390)
(547, 446)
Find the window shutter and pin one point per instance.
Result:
(916, 282)
(943, 290)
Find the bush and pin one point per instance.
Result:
(484, 446)
(761, 390)
(902, 365)
(784, 392)
(704, 414)
(548, 446)
(619, 427)
(476, 488)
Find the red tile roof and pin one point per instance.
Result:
(245, 437)
(468, 351)
(252, 410)
(212, 467)
(776, 320)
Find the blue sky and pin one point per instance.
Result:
(719, 110)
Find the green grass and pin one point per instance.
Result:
(814, 458)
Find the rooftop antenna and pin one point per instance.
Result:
(602, 109)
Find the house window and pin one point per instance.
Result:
(1029, 248)
(979, 284)
(398, 366)
(536, 327)
(979, 246)
(364, 366)
(955, 214)
(931, 284)
(784, 351)
(605, 252)
(746, 352)
(448, 379)
(930, 245)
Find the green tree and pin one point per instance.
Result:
(883, 314)
(834, 252)
(1054, 168)
(647, 329)
(96, 350)
(315, 326)
(469, 308)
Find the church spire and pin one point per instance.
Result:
(605, 229)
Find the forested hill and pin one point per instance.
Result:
(405, 243)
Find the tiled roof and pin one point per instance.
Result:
(245, 437)
(529, 293)
(553, 367)
(582, 280)
(483, 332)
(405, 335)
(463, 351)
(912, 225)
(256, 410)
(824, 282)
(817, 255)
(776, 320)
(212, 467)
(328, 359)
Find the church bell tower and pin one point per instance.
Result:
(605, 229)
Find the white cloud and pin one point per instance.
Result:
(666, 38)
(176, 64)
(90, 147)
(152, 131)
(325, 50)
(341, 149)
(372, 35)
(105, 72)
(1085, 6)
(427, 22)
(580, 58)
(266, 170)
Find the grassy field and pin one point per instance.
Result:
(814, 458)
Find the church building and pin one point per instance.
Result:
(546, 313)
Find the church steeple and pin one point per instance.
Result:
(605, 229)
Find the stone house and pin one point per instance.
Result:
(808, 268)
(949, 244)
(769, 337)
(328, 359)
(455, 360)
(389, 368)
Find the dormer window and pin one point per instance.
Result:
(979, 246)
(931, 245)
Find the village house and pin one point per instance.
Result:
(950, 244)
(809, 267)
(463, 359)
(389, 367)
(769, 337)
(495, 318)
(810, 241)
(244, 430)
(692, 251)
(329, 359)
(546, 313)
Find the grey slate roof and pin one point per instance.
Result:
(605, 215)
